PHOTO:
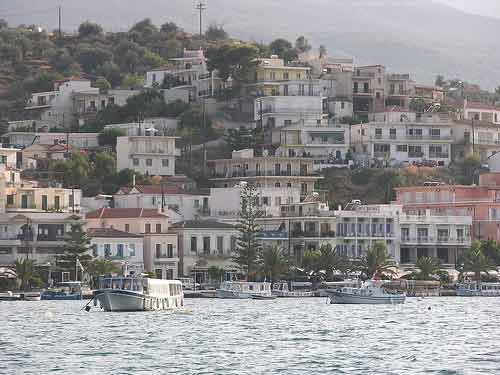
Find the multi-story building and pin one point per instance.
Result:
(264, 171)
(225, 203)
(475, 137)
(279, 111)
(152, 155)
(482, 203)
(182, 204)
(430, 94)
(157, 126)
(39, 236)
(429, 137)
(203, 244)
(160, 245)
(368, 89)
(56, 107)
(122, 248)
(186, 78)
(9, 157)
(327, 145)
(481, 112)
(87, 104)
(399, 90)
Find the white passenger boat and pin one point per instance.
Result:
(138, 294)
(282, 290)
(243, 290)
(370, 292)
(475, 289)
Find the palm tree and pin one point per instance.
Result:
(25, 269)
(474, 260)
(427, 266)
(274, 264)
(101, 267)
(330, 260)
(377, 262)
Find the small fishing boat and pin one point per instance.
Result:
(475, 289)
(138, 294)
(256, 296)
(371, 293)
(9, 296)
(31, 296)
(243, 290)
(282, 290)
(64, 291)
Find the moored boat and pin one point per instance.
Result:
(478, 289)
(243, 290)
(64, 291)
(31, 296)
(9, 296)
(139, 294)
(282, 290)
(370, 293)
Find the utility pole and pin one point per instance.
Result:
(204, 127)
(201, 7)
(60, 19)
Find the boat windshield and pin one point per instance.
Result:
(124, 283)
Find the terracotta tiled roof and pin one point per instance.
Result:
(110, 233)
(118, 213)
(201, 224)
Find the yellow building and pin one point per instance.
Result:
(33, 198)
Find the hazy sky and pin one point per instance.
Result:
(483, 7)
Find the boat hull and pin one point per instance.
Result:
(229, 294)
(60, 297)
(346, 298)
(123, 300)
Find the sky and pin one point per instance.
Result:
(489, 8)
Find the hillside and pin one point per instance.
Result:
(418, 36)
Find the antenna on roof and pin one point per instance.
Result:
(201, 7)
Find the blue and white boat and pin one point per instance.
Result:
(370, 293)
(244, 290)
(63, 291)
(138, 294)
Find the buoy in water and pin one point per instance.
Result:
(429, 308)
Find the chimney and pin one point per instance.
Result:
(133, 180)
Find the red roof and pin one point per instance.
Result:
(59, 147)
(119, 213)
(110, 233)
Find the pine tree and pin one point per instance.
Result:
(77, 246)
(248, 252)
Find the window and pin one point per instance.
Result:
(164, 162)
(45, 205)
(287, 122)
(277, 201)
(158, 250)
(127, 227)
(148, 228)
(206, 245)
(24, 201)
(377, 95)
(392, 133)
(196, 203)
(57, 203)
(277, 184)
(158, 228)
(194, 244)
(460, 233)
(131, 250)
(71, 200)
(285, 90)
(233, 243)
(119, 250)
(378, 133)
(405, 234)
(435, 133)
(220, 244)
(107, 250)
(285, 75)
(135, 162)
(149, 162)
(402, 148)
(170, 250)
(265, 201)
(289, 184)
(342, 105)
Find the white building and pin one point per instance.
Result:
(475, 137)
(56, 107)
(279, 111)
(9, 157)
(225, 203)
(151, 155)
(427, 138)
(86, 104)
(183, 205)
(122, 248)
(78, 140)
(481, 112)
(159, 126)
(203, 244)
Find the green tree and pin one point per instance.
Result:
(145, 27)
(111, 72)
(195, 127)
(101, 267)
(25, 270)
(429, 268)
(132, 82)
(330, 260)
(108, 137)
(76, 247)
(104, 165)
(311, 262)
(43, 82)
(236, 61)
(216, 274)
(417, 105)
(73, 171)
(377, 262)
(89, 29)
(242, 138)
(440, 81)
(91, 56)
(274, 263)
(103, 85)
(491, 249)
(302, 44)
(471, 166)
(248, 251)
(474, 260)
(280, 47)
(169, 27)
(216, 32)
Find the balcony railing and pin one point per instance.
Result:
(363, 92)
(261, 173)
(381, 154)
(439, 155)
(429, 239)
(415, 154)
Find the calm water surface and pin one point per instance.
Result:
(285, 336)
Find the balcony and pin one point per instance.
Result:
(363, 92)
(438, 155)
(327, 234)
(246, 173)
(415, 154)
(45, 237)
(399, 93)
(381, 154)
